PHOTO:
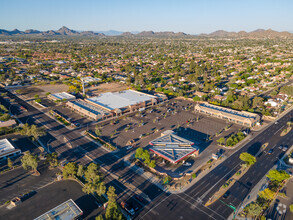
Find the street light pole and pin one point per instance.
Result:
(9, 109)
(48, 147)
(27, 119)
(230, 206)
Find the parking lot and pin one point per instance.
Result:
(49, 197)
(178, 115)
(19, 181)
(75, 117)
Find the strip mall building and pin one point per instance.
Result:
(238, 117)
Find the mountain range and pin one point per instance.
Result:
(64, 31)
(259, 33)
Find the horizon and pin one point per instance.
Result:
(190, 17)
(136, 32)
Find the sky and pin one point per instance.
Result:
(189, 16)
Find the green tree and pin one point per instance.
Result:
(139, 152)
(221, 141)
(230, 141)
(291, 208)
(80, 171)
(94, 180)
(146, 156)
(152, 164)
(278, 176)
(32, 131)
(69, 170)
(112, 211)
(98, 131)
(247, 158)
(52, 159)
(253, 209)
(3, 108)
(9, 163)
(29, 161)
(167, 180)
(5, 117)
(92, 173)
(18, 91)
(36, 132)
(257, 102)
(267, 194)
(99, 217)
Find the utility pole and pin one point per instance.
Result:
(83, 89)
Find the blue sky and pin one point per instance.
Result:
(189, 16)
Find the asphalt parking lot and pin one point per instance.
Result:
(177, 115)
(49, 197)
(75, 117)
(19, 181)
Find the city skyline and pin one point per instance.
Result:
(192, 17)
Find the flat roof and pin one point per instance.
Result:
(117, 100)
(63, 95)
(229, 112)
(172, 147)
(89, 107)
(66, 211)
(6, 146)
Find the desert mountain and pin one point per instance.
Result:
(259, 33)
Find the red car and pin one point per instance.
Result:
(139, 198)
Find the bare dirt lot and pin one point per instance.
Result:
(41, 90)
(106, 87)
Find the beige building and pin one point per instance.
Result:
(88, 110)
(113, 104)
(238, 117)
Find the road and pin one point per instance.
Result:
(189, 205)
(73, 146)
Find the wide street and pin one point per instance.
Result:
(189, 204)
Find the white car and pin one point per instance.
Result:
(128, 147)
(187, 164)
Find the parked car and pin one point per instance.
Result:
(285, 148)
(187, 164)
(270, 151)
(139, 198)
(76, 124)
(127, 207)
(128, 147)
(226, 195)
